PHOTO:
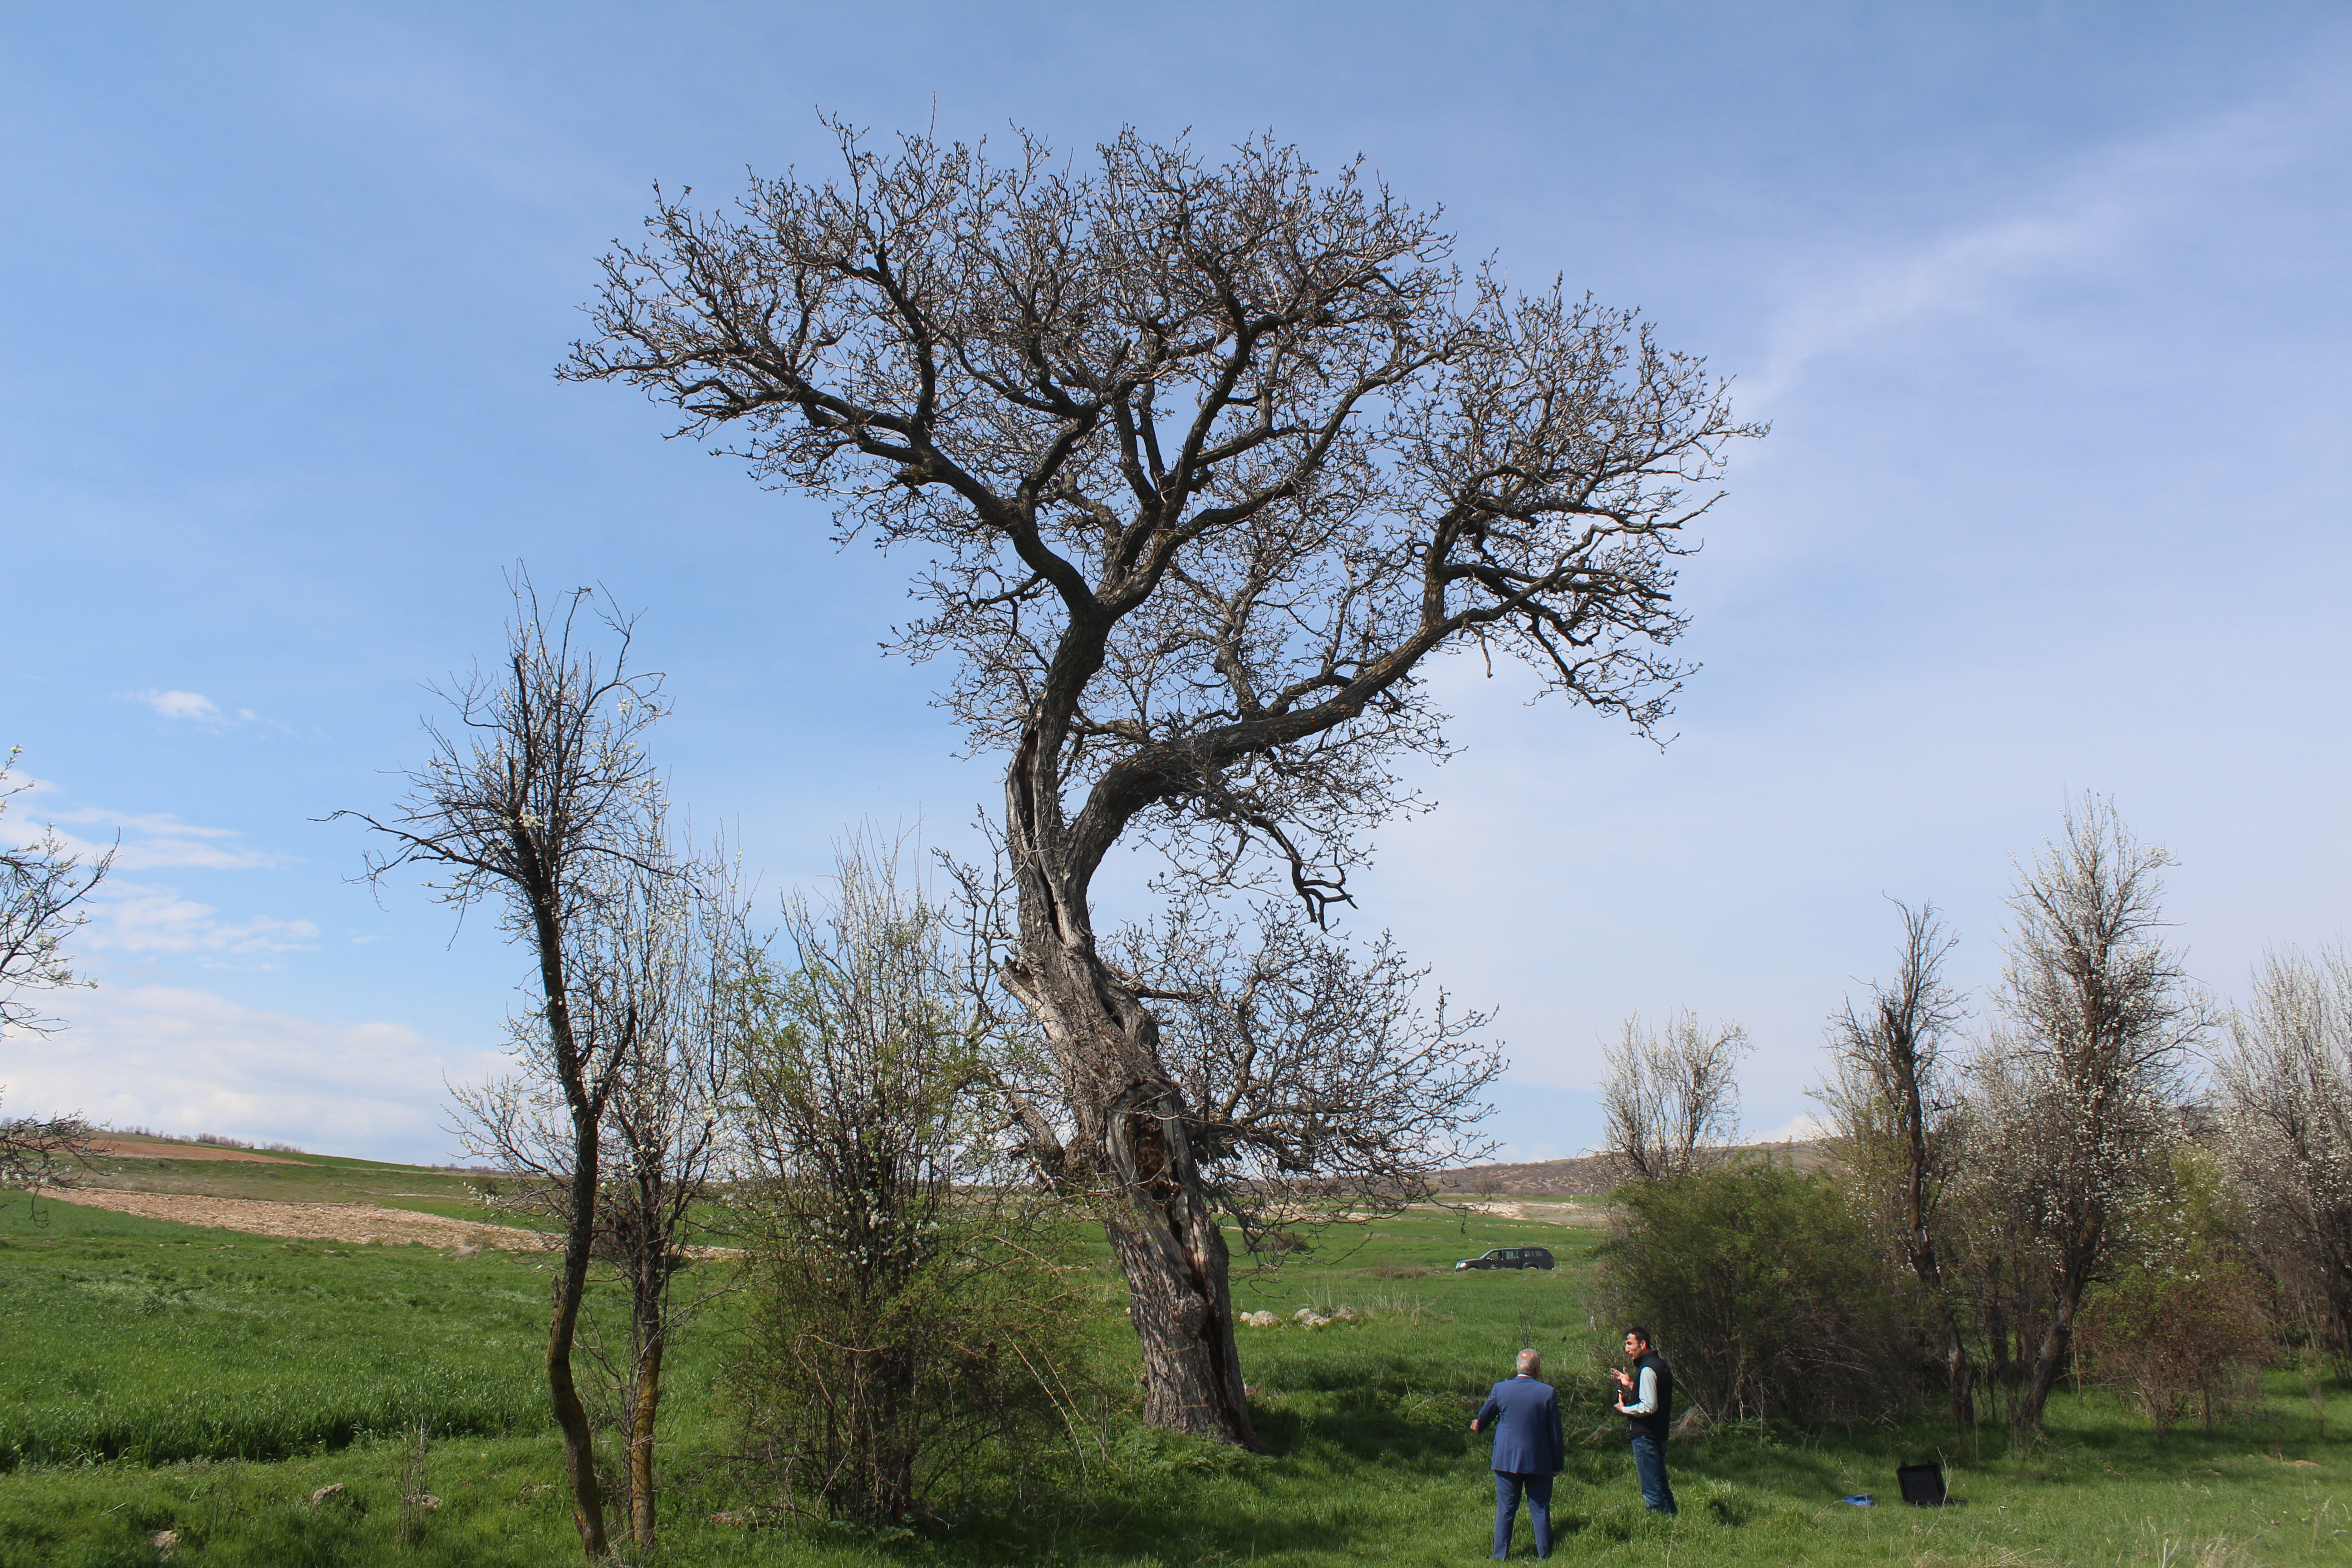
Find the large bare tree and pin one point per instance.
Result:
(1894, 1100)
(2098, 1017)
(536, 801)
(1206, 460)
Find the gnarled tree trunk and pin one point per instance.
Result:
(1128, 1141)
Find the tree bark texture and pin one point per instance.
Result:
(564, 1324)
(563, 1393)
(2058, 1340)
(1921, 1242)
(580, 1223)
(1130, 1139)
(643, 1408)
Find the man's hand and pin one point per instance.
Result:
(1473, 1423)
(1625, 1379)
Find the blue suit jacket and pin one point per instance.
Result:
(1526, 1417)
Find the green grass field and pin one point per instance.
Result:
(164, 1378)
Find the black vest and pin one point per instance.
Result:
(1656, 1423)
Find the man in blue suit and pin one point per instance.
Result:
(1529, 1449)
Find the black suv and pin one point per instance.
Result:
(1508, 1258)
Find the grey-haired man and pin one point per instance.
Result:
(1529, 1449)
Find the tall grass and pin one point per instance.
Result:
(126, 1340)
(325, 1409)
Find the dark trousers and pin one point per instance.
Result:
(1650, 1465)
(1507, 1488)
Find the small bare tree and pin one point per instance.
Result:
(1207, 460)
(2099, 1018)
(538, 801)
(658, 967)
(1670, 1097)
(1318, 1082)
(2285, 1077)
(42, 886)
(1894, 1101)
(681, 985)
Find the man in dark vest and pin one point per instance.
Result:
(1652, 1387)
(1529, 1449)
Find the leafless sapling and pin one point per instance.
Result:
(657, 963)
(1671, 1098)
(536, 800)
(1894, 1103)
(1207, 459)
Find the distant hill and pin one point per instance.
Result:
(1590, 1176)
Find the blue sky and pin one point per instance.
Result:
(2045, 303)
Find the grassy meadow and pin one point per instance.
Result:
(164, 1378)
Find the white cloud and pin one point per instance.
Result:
(181, 704)
(153, 842)
(150, 841)
(196, 707)
(133, 917)
(190, 1061)
(1803, 1129)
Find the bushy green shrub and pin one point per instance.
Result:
(1760, 1287)
(907, 1324)
(2181, 1329)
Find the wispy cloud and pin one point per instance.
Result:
(132, 916)
(150, 840)
(2088, 218)
(196, 707)
(181, 704)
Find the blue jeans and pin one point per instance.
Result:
(1507, 1488)
(1650, 1465)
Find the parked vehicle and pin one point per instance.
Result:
(1508, 1258)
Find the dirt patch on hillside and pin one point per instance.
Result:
(1589, 1214)
(1597, 1176)
(355, 1223)
(156, 1149)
